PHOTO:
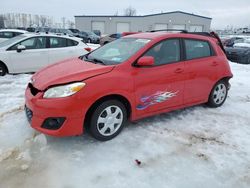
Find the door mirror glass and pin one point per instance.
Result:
(146, 61)
(20, 48)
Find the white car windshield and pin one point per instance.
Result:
(12, 41)
(117, 51)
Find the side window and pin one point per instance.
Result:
(71, 42)
(197, 49)
(32, 43)
(165, 52)
(17, 33)
(6, 35)
(57, 42)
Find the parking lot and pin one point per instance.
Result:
(194, 147)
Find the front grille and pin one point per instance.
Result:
(29, 113)
(33, 90)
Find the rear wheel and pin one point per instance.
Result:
(107, 120)
(3, 69)
(218, 94)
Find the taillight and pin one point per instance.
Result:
(88, 49)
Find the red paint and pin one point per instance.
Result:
(146, 61)
(192, 80)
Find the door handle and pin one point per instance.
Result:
(178, 70)
(214, 63)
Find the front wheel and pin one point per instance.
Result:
(107, 120)
(218, 94)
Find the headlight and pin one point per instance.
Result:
(64, 90)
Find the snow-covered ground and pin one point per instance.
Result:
(194, 147)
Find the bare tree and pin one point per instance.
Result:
(43, 20)
(24, 20)
(116, 13)
(63, 22)
(130, 11)
(70, 24)
(2, 21)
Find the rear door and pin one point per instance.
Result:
(201, 69)
(160, 86)
(62, 48)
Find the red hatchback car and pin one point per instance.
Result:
(133, 77)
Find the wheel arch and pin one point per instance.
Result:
(118, 97)
(2, 63)
(226, 79)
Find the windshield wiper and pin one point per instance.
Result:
(98, 61)
(94, 60)
(85, 58)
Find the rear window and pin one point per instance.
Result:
(197, 49)
(6, 35)
(57, 42)
(71, 42)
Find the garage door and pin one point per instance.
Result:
(196, 28)
(122, 27)
(179, 27)
(98, 26)
(159, 26)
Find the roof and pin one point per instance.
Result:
(159, 35)
(29, 34)
(164, 13)
(14, 30)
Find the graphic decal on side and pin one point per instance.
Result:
(158, 97)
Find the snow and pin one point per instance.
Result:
(193, 147)
(247, 45)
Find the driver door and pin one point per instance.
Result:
(34, 57)
(161, 86)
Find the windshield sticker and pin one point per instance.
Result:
(116, 59)
(145, 41)
(158, 97)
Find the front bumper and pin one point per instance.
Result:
(39, 110)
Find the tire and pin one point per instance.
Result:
(105, 43)
(218, 94)
(107, 120)
(89, 41)
(3, 69)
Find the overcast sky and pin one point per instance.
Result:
(223, 12)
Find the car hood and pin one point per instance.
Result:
(67, 71)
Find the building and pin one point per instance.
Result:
(168, 20)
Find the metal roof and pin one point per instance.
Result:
(113, 16)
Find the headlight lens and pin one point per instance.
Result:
(64, 90)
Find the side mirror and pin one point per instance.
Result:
(146, 61)
(20, 48)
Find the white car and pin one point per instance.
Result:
(30, 52)
(6, 34)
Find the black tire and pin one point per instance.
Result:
(3, 69)
(100, 114)
(216, 98)
(105, 43)
(89, 41)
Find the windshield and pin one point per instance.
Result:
(117, 51)
(12, 41)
